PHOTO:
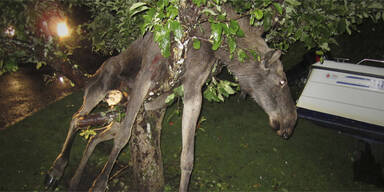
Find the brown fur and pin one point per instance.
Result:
(143, 70)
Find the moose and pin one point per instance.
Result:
(143, 71)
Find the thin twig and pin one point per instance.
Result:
(118, 172)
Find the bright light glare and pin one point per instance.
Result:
(61, 79)
(62, 29)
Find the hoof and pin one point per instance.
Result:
(50, 182)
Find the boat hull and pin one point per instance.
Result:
(346, 96)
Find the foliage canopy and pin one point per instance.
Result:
(114, 24)
(313, 22)
(28, 34)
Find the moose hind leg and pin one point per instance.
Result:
(100, 184)
(93, 95)
(107, 134)
(142, 85)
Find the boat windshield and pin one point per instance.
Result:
(371, 62)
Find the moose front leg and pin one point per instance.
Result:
(197, 73)
(191, 113)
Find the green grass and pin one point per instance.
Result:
(28, 148)
(235, 150)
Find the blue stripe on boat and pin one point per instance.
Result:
(352, 84)
(360, 78)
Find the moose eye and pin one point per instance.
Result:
(283, 82)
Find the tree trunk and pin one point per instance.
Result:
(145, 151)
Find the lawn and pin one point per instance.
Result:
(235, 151)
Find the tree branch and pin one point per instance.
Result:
(97, 119)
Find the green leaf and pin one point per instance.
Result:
(240, 33)
(216, 29)
(87, 133)
(209, 11)
(217, 91)
(163, 38)
(222, 17)
(376, 5)
(210, 94)
(40, 64)
(214, 68)
(220, 97)
(258, 14)
(267, 21)
(231, 44)
(233, 27)
(252, 20)
(216, 32)
(196, 44)
(217, 1)
(216, 45)
(136, 5)
(241, 55)
(59, 53)
(347, 24)
(170, 98)
(162, 3)
(319, 52)
(225, 28)
(137, 8)
(172, 12)
(278, 8)
(147, 23)
(325, 46)
(226, 85)
(177, 30)
(199, 2)
(293, 2)
(179, 91)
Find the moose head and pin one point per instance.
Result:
(266, 83)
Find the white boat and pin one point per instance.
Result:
(346, 96)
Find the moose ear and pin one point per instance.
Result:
(275, 56)
(269, 58)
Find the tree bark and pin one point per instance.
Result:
(145, 151)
